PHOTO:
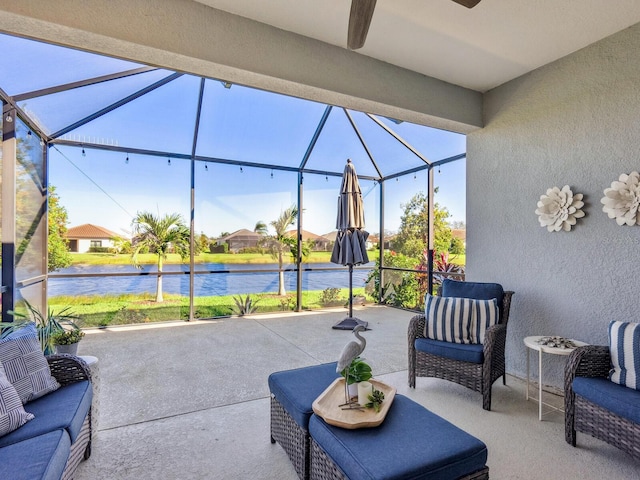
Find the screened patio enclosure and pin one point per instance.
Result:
(105, 139)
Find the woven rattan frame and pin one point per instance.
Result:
(323, 467)
(581, 415)
(478, 377)
(67, 369)
(291, 437)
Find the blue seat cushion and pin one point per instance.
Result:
(621, 400)
(66, 409)
(297, 389)
(472, 353)
(411, 443)
(476, 290)
(43, 457)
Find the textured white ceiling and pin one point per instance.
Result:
(481, 48)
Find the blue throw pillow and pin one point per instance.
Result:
(448, 318)
(25, 365)
(624, 344)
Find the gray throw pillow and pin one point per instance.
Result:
(25, 365)
(12, 414)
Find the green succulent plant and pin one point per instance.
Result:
(67, 337)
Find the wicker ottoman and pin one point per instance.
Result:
(292, 394)
(412, 443)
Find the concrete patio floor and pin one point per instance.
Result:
(190, 401)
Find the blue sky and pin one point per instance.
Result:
(240, 124)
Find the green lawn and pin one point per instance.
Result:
(230, 258)
(104, 310)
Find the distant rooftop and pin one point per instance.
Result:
(90, 231)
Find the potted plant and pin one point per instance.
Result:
(66, 341)
(358, 371)
(46, 325)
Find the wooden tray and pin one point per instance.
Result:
(327, 407)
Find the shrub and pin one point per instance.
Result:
(224, 248)
(245, 306)
(330, 296)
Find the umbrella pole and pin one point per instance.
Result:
(350, 322)
(350, 291)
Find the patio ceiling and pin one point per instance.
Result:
(479, 48)
(119, 105)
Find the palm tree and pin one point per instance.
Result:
(159, 235)
(280, 243)
(260, 228)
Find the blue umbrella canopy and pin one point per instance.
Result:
(350, 247)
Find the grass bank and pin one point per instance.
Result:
(228, 258)
(105, 310)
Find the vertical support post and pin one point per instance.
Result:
(44, 151)
(381, 246)
(430, 226)
(8, 211)
(299, 243)
(192, 239)
(192, 227)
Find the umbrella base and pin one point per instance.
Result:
(350, 323)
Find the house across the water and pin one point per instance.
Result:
(86, 238)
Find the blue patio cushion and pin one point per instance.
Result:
(43, 457)
(623, 401)
(297, 389)
(472, 353)
(476, 290)
(411, 443)
(64, 409)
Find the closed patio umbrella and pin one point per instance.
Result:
(350, 248)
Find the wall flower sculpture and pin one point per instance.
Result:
(559, 209)
(622, 200)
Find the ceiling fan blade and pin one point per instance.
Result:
(359, 21)
(467, 3)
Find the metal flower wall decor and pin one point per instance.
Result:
(559, 209)
(622, 200)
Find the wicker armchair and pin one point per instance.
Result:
(476, 376)
(587, 417)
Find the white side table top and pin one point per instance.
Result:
(532, 343)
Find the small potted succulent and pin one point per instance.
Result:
(66, 341)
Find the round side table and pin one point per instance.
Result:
(532, 344)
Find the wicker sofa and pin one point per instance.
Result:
(597, 406)
(52, 444)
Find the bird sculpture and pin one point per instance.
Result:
(351, 350)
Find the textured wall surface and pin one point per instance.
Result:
(574, 122)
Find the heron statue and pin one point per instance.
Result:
(351, 350)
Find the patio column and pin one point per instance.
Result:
(8, 210)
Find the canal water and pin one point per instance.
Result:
(226, 279)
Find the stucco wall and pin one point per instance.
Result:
(577, 122)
